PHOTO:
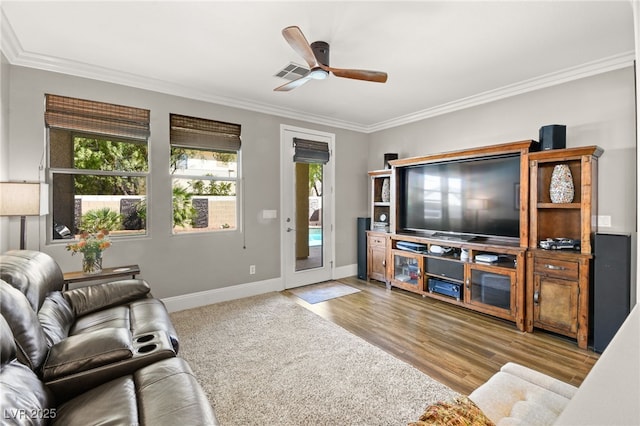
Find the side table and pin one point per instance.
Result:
(106, 273)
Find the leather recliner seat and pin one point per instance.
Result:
(93, 332)
(89, 341)
(163, 393)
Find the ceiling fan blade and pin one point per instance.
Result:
(299, 43)
(293, 84)
(375, 76)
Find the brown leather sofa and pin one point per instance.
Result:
(101, 353)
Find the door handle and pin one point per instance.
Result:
(290, 229)
(554, 267)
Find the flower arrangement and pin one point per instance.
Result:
(91, 245)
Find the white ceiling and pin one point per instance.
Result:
(440, 55)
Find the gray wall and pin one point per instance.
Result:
(597, 110)
(183, 264)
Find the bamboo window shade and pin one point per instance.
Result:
(96, 117)
(200, 133)
(307, 151)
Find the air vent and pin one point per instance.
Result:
(292, 72)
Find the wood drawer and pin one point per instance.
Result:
(556, 268)
(375, 240)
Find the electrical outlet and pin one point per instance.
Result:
(252, 269)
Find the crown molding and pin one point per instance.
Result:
(589, 69)
(16, 55)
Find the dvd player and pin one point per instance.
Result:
(414, 247)
(487, 258)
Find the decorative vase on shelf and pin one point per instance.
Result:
(561, 189)
(92, 263)
(385, 192)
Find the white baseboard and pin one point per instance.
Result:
(217, 295)
(208, 297)
(345, 271)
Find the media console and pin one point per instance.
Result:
(496, 271)
(495, 288)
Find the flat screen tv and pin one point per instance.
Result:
(461, 199)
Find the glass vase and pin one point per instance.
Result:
(92, 263)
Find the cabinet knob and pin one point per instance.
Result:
(536, 297)
(384, 262)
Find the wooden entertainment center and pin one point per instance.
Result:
(507, 277)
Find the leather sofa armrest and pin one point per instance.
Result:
(92, 298)
(146, 349)
(87, 351)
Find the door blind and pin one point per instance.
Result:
(307, 151)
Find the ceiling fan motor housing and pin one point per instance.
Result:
(321, 51)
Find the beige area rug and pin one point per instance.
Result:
(265, 360)
(317, 293)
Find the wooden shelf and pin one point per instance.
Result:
(559, 206)
(380, 173)
(444, 298)
(558, 281)
(380, 210)
(453, 280)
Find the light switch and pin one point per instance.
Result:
(604, 221)
(269, 214)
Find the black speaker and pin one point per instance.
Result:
(364, 223)
(445, 268)
(388, 157)
(553, 136)
(611, 286)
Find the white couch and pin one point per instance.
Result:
(517, 395)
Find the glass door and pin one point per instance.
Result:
(309, 241)
(492, 288)
(307, 175)
(407, 272)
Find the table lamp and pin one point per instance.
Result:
(23, 199)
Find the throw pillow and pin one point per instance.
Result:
(461, 412)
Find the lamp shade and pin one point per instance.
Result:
(23, 199)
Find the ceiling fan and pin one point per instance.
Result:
(317, 56)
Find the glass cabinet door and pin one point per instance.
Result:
(491, 288)
(407, 271)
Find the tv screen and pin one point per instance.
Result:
(478, 197)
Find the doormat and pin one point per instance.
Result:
(317, 293)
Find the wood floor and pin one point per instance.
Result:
(453, 345)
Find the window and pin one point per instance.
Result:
(204, 170)
(98, 166)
